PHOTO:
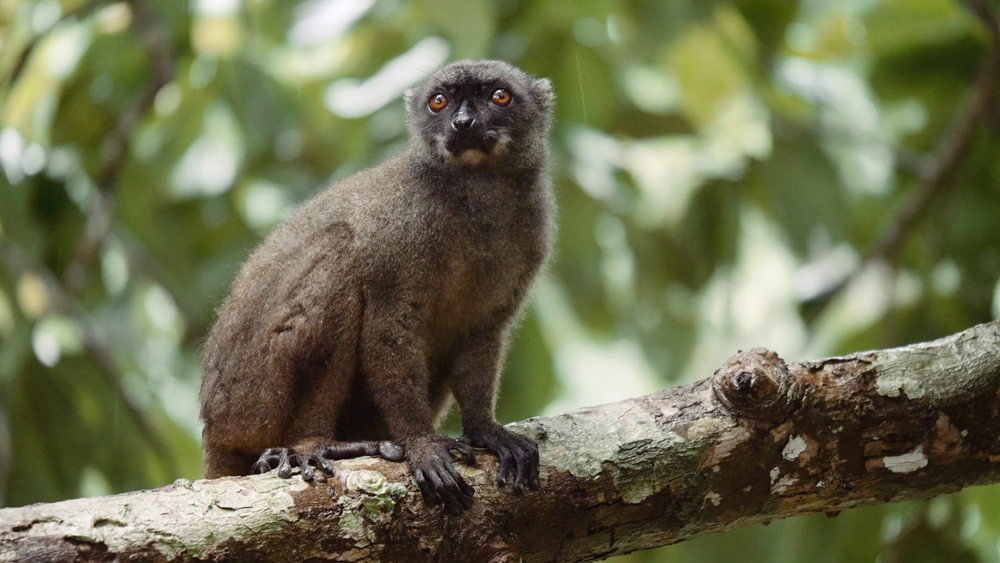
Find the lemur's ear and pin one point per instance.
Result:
(546, 97)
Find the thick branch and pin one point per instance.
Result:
(760, 440)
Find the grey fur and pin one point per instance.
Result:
(348, 329)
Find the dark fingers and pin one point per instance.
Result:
(391, 451)
(284, 464)
(464, 451)
(526, 454)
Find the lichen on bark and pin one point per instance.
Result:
(769, 441)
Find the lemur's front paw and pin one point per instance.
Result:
(430, 462)
(318, 457)
(518, 455)
(284, 459)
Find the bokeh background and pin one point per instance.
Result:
(816, 176)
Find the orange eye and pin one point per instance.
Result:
(501, 97)
(437, 102)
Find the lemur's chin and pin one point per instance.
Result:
(470, 157)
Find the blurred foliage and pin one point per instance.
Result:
(722, 166)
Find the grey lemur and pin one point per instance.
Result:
(349, 328)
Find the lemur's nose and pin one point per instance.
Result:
(462, 119)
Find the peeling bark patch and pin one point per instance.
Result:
(725, 446)
(906, 463)
(921, 371)
(616, 440)
(782, 485)
(706, 427)
(236, 499)
(794, 448)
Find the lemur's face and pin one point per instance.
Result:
(475, 113)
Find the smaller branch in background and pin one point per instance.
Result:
(950, 150)
(161, 61)
(22, 59)
(156, 41)
(948, 155)
(988, 16)
(933, 175)
(991, 18)
(18, 263)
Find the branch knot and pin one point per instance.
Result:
(756, 384)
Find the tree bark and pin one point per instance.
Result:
(759, 440)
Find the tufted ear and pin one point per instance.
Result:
(543, 89)
(408, 99)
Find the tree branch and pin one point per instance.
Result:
(115, 146)
(25, 55)
(18, 263)
(760, 440)
(933, 175)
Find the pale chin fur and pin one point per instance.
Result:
(470, 157)
(476, 157)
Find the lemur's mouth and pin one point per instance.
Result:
(458, 142)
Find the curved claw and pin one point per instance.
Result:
(282, 459)
(518, 455)
(438, 480)
(285, 459)
(465, 452)
(268, 461)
